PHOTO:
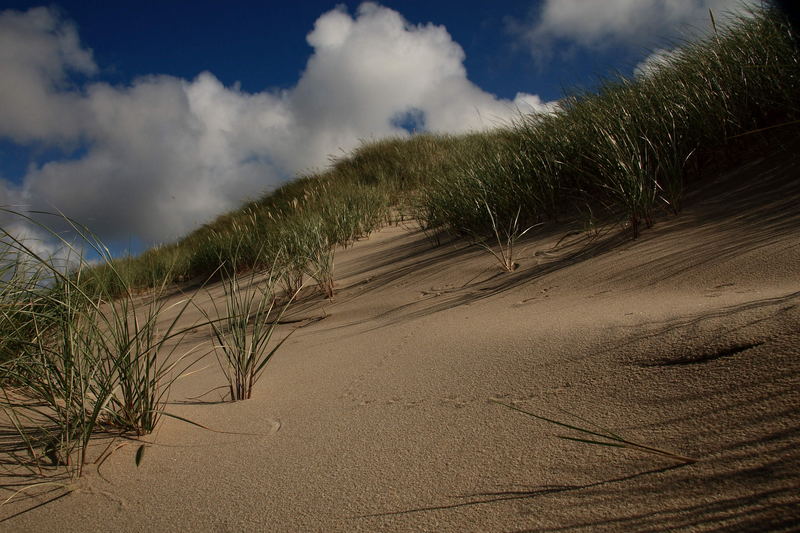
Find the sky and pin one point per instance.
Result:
(145, 119)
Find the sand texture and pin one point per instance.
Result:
(377, 414)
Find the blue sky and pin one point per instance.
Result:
(263, 45)
(145, 119)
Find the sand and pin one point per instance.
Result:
(377, 414)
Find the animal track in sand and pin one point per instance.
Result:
(543, 293)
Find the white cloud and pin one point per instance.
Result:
(367, 70)
(653, 62)
(166, 154)
(22, 236)
(532, 103)
(640, 23)
(37, 51)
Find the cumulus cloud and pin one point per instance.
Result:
(26, 245)
(163, 154)
(369, 70)
(650, 64)
(37, 51)
(593, 24)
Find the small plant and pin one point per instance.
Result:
(52, 385)
(506, 238)
(245, 327)
(321, 252)
(80, 362)
(322, 264)
(141, 359)
(291, 263)
(53, 389)
(609, 438)
(626, 162)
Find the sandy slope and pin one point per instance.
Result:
(378, 417)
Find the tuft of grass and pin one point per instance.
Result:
(506, 238)
(79, 363)
(141, 357)
(244, 328)
(321, 254)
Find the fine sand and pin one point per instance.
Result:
(376, 415)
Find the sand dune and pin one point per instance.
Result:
(377, 413)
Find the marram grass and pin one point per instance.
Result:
(245, 326)
(76, 361)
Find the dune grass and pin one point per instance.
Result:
(79, 362)
(244, 328)
(506, 238)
